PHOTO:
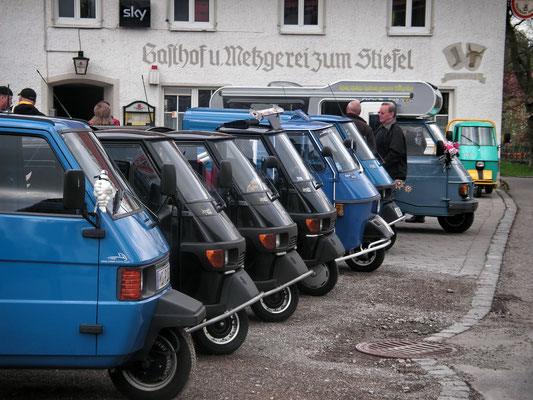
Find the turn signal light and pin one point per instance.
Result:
(463, 191)
(216, 257)
(313, 225)
(130, 284)
(268, 240)
(340, 209)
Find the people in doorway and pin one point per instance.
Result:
(353, 111)
(26, 105)
(6, 96)
(102, 114)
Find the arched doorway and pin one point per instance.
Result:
(78, 99)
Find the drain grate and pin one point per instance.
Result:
(404, 348)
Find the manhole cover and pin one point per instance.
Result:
(404, 348)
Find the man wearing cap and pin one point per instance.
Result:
(26, 105)
(5, 98)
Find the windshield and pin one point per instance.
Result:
(244, 173)
(342, 158)
(363, 151)
(187, 182)
(93, 159)
(290, 158)
(477, 135)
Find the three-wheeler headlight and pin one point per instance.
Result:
(314, 225)
(480, 164)
(218, 258)
(270, 241)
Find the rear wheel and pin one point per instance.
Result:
(456, 223)
(367, 262)
(224, 336)
(488, 189)
(477, 190)
(163, 374)
(278, 306)
(323, 281)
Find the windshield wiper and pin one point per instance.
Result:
(466, 137)
(117, 200)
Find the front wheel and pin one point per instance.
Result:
(163, 374)
(323, 281)
(278, 306)
(488, 189)
(477, 190)
(367, 262)
(456, 223)
(224, 336)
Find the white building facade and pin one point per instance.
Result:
(200, 45)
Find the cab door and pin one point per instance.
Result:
(48, 271)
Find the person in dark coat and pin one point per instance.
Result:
(26, 105)
(390, 143)
(353, 110)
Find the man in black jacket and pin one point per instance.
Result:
(26, 105)
(390, 143)
(353, 109)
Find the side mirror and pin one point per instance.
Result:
(168, 179)
(126, 167)
(270, 162)
(440, 148)
(449, 136)
(327, 152)
(350, 144)
(74, 190)
(225, 177)
(506, 138)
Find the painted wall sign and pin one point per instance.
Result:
(179, 55)
(470, 59)
(134, 13)
(522, 8)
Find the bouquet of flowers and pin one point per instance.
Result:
(451, 150)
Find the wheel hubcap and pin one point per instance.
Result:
(319, 279)
(278, 302)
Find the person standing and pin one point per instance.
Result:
(26, 105)
(6, 96)
(102, 114)
(353, 111)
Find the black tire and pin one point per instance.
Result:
(489, 189)
(456, 223)
(163, 374)
(223, 337)
(392, 238)
(279, 306)
(367, 262)
(477, 190)
(323, 282)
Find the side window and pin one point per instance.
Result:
(307, 151)
(31, 176)
(418, 140)
(192, 14)
(409, 17)
(302, 16)
(201, 162)
(139, 171)
(255, 151)
(78, 13)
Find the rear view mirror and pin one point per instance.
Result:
(327, 152)
(440, 148)
(74, 190)
(449, 136)
(350, 144)
(506, 138)
(168, 180)
(225, 177)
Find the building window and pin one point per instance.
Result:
(444, 115)
(177, 101)
(302, 16)
(192, 15)
(85, 13)
(409, 17)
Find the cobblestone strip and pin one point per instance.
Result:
(453, 388)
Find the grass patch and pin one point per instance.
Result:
(509, 168)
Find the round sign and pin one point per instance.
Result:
(522, 8)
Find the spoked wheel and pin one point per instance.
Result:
(457, 223)
(224, 336)
(367, 262)
(477, 190)
(323, 281)
(488, 189)
(392, 238)
(278, 306)
(163, 374)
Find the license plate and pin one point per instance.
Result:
(162, 277)
(398, 211)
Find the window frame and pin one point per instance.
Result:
(76, 21)
(191, 25)
(301, 29)
(409, 30)
(192, 92)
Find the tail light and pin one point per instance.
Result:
(463, 191)
(340, 209)
(314, 225)
(218, 258)
(131, 284)
(269, 240)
